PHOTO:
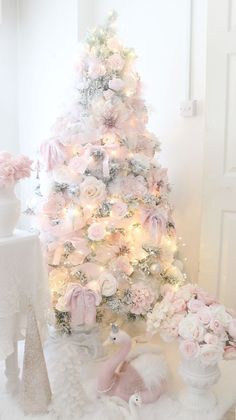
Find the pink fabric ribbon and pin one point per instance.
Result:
(81, 303)
(89, 148)
(52, 152)
(58, 247)
(155, 220)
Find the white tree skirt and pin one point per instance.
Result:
(167, 408)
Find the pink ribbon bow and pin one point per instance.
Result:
(155, 220)
(82, 162)
(81, 303)
(52, 152)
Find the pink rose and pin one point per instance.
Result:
(170, 327)
(216, 326)
(211, 354)
(116, 84)
(119, 209)
(115, 62)
(5, 156)
(194, 305)
(205, 297)
(189, 349)
(191, 329)
(22, 166)
(232, 329)
(142, 298)
(211, 339)
(92, 191)
(230, 352)
(178, 305)
(204, 315)
(186, 292)
(96, 231)
(6, 174)
(79, 164)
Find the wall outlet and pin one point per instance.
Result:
(188, 108)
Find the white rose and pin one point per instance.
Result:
(96, 231)
(108, 284)
(210, 354)
(219, 313)
(92, 191)
(191, 329)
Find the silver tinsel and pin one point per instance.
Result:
(73, 189)
(136, 167)
(97, 154)
(104, 210)
(152, 250)
(60, 187)
(79, 275)
(69, 247)
(151, 199)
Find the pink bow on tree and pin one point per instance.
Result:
(80, 163)
(53, 153)
(81, 302)
(155, 220)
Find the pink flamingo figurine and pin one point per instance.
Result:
(122, 375)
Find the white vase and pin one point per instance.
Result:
(9, 210)
(197, 395)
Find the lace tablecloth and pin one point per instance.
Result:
(23, 281)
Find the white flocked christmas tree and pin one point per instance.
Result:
(104, 211)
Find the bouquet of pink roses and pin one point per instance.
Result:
(13, 169)
(205, 328)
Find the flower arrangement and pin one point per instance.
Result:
(13, 169)
(205, 328)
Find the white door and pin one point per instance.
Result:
(218, 236)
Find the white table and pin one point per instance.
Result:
(23, 281)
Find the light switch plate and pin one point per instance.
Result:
(188, 108)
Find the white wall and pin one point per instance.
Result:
(48, 31)
(8, 77)
(47, 41)
(157, 30)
